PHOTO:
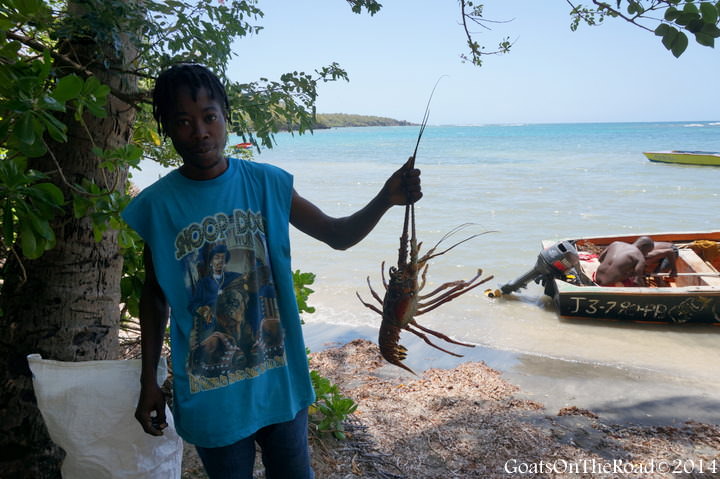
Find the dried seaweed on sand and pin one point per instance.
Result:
(467, 422)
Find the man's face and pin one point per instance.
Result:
(218, 263)
(198, 132)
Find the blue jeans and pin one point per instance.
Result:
(284, 453)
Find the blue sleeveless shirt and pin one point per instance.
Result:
(221, 252)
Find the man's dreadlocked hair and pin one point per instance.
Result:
(191, 75)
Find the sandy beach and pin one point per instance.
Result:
(537, 418)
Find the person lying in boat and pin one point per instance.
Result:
(662, 259)
(623, 264)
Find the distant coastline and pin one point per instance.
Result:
(339, 120)
(324, 121)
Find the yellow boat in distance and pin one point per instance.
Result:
(707, 158)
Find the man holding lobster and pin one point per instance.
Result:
(245, 207)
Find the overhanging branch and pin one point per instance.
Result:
(134, 99)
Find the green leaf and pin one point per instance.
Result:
(94, 96)
(44, 67)
(50, 103)
(41, 226)
(679, 44)
(55, 127)
(635, 7)
(669, 37)
(25, 128)
(30, 150)
(10, 49)
(663, 29)
(51, 193)
(690, 8)
(68, 88)
(709, 12)
(50, 243)
(97, 110)
(704, 39)
(28, 243)
(80, 206)
(695, 26)
(29, 8)
(711, 30)
(98, 231)
(686, 18)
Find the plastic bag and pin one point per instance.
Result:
(89, 408)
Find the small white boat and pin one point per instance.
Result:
(709, 158)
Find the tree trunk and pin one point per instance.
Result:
(68, 307)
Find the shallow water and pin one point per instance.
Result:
(526, 183)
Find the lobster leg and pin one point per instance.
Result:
(427, 340)
(368, 305)
(372, 291)
(454, 284)
(445, 298)
(437, 334)
(382, 275)
(423, 276)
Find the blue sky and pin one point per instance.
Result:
(615, 72)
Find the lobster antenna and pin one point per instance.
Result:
(410, 208)
(424, 121)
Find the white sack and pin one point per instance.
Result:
(89, 409)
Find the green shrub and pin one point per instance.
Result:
(331, 408)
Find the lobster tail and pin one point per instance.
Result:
(390, 348)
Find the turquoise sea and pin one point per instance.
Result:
(525, 182)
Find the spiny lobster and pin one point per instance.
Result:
(403, 301)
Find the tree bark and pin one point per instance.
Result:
(68, 307)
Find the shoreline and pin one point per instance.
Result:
(618, 395)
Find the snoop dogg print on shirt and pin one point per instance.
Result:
(236, 332)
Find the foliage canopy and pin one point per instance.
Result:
(43, 85)
(674, 21)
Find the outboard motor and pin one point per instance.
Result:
(558, 260)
